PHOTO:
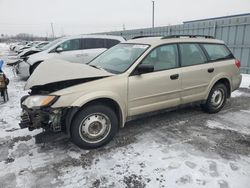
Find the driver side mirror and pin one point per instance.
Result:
(59, 49)
(142, 69)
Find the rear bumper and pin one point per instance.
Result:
(236, 81)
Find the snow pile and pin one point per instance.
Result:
(243, 127)
(3, 46)
(245, 83)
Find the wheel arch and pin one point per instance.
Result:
(113, 104)
(34, 65)
(224, 80)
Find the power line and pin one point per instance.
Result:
(153, 14)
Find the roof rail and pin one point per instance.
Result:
(141, 36)
(190, 36)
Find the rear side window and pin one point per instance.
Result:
(111, 42)
(91, 43)
(191, 54)
(217, 51)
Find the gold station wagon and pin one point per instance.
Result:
(91, 102)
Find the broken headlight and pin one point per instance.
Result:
(39, 100)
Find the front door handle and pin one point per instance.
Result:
(174, 76)
(210, 70)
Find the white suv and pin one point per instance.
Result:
(76, 49)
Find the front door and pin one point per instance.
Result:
(71, 51)
(158, 89)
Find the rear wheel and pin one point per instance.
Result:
(94, 126)
(216, 99)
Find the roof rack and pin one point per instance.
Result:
(190, 36)
(141, 36)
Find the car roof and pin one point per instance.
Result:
(164, 40)
(94, 36)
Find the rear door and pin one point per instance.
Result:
(196, 72)
(92, 47)
(159, 89)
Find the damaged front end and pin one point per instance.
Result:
(48, 78)
(38, 113)
(41, 117)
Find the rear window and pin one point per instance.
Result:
(217, 51)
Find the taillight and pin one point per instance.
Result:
(237, 63)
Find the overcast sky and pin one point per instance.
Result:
(88, 16)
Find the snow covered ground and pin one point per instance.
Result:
(184, 148)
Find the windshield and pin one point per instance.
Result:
(119, 58)
(51, 44)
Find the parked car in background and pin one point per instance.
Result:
(33, 44)
(91, 102)
(20, 47)
(76, 49)
(37, 47)
(16, 44)
(34, 49)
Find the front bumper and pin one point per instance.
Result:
(47, 118)
(22, 69)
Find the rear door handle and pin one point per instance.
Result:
(210, 70)
(174, 76)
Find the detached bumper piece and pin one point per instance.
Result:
(25, 120)
(41, 118)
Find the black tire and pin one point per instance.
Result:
(214, 96)
(88, 113)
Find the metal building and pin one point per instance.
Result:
(234, 30)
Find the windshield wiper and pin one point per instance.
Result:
(97, 67)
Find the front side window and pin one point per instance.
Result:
(51, 44)
(217, 51)
(70, 45)
(119, 58)
(41, 45)
(191, 54)
(163, 57)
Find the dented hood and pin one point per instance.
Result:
(55, 70)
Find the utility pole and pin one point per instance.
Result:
(52, 29)
(123, 27)
(153, 15)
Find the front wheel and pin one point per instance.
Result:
(216, 99)
(94, 126)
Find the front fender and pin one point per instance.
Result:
(81, 101)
